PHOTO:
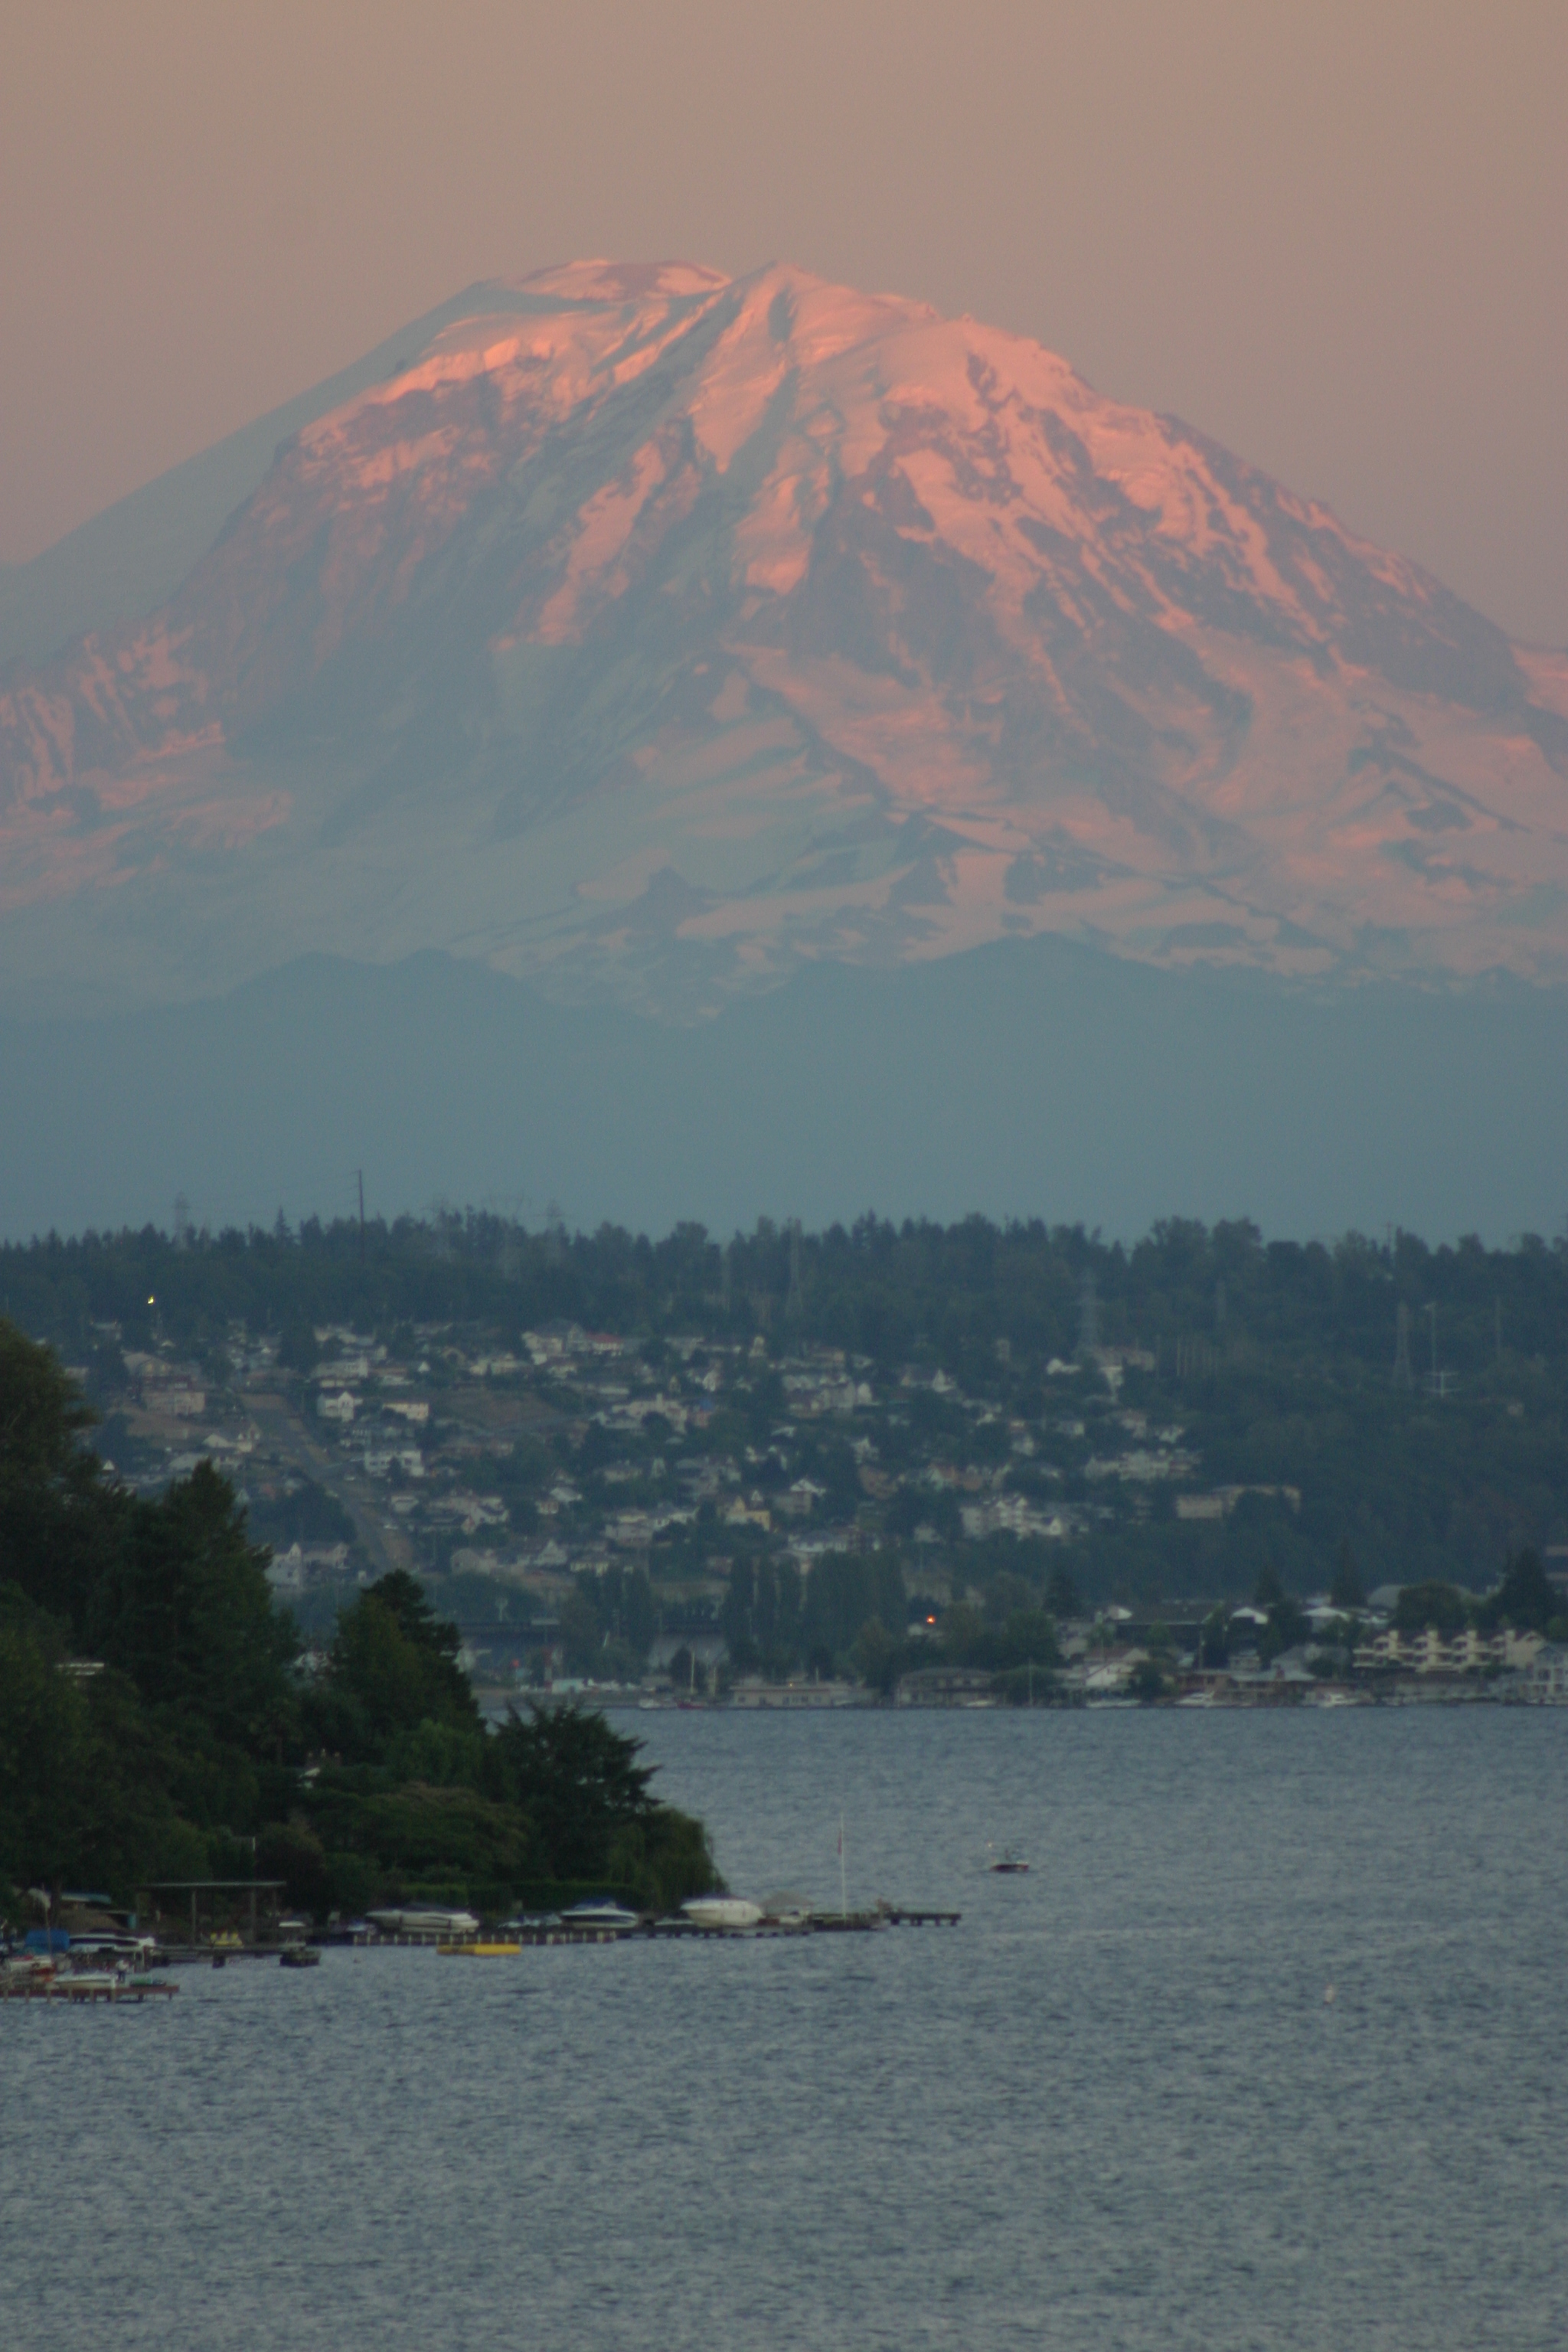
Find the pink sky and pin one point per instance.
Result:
(1334, 235)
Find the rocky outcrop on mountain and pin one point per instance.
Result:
(649, 632)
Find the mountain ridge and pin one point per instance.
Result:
(652, 633)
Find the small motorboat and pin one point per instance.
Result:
(601, 1912)
(1008, 1864)
(88, 1984)
(724, 1912)
(425, 1919)
(113, 1945)
(299, 1956)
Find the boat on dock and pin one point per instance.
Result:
(425, 1922)
(721, 1914)
(600, 1914)
(46, 1979)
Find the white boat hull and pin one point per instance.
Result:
(721, 1911)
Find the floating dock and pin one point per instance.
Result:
(924, 1919)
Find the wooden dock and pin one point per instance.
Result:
(677, 1930)
(63, 1986)
(79, 1992)
(527, 1939)
(204, 1956)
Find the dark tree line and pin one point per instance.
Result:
(883, 1290)
(154, 1723)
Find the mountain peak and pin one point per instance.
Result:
(651, 630)
(603, 280)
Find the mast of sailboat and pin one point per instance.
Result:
(843, 1898)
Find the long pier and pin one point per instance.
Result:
(677, 1930)
(63, 1985)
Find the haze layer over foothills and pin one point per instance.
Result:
(760, 676)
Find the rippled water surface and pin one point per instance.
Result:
(1113, 2107)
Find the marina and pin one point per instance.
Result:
(45, 1981)
(706, 1920)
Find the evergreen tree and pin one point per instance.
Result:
(577, 1779)
(61, 1526)
(1347, 1590)
(393, 1666)
(1526, 1597)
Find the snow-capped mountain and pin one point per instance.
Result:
(650, 632)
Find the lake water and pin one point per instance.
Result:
(1113, 2108)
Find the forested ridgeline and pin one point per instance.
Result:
(882, 1291)
(155, 1724)
(1409, 1402)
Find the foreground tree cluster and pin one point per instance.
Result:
(155, 1724)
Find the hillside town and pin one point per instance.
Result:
(689, 1518)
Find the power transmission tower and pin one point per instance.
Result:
(1440, 1382)
(1404, 1378)
(1087, 1317)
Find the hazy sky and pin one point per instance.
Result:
(1332, 233)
